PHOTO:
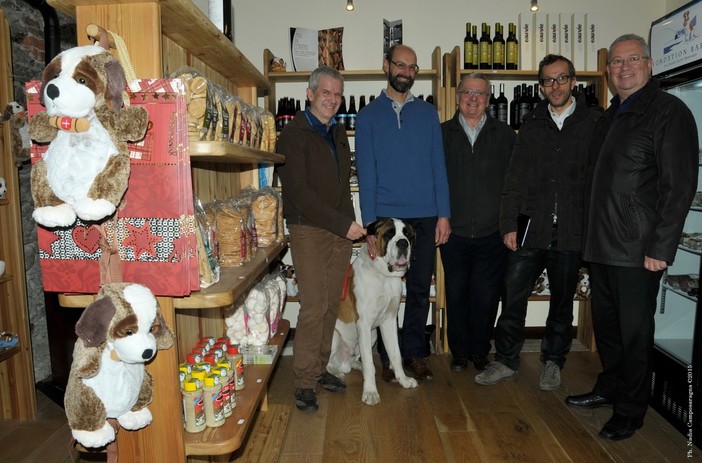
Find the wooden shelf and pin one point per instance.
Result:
(7, 353)
(214, 151)
(229, 437)
(233, 282)
(188, 27)
(506, 74)
(349, 76)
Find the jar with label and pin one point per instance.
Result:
(225, 374)
(212, 396)
(193, 406)
(238, 366)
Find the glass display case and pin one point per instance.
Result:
(676, 392)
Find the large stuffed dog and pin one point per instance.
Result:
(117, 335)
(373, 300)
(85, 170)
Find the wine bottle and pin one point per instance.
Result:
(351, 114)
(502, 105)
(430, 99)
(476, 47)
(371, 98)
(297, 106)
(362, 103)
(492, 103)
(279, 115)
(524, 103)
(514, 121)
(512, 48)
(535, 98)
(485, 48)
(498, 48)
(591, 96)
(341, 113)
(468, 49)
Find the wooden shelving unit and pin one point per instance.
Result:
(162, 36)
(17, 393)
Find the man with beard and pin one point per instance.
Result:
(402, 174)
(546, 182)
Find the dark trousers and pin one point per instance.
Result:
(523, 269)
(320, 258)
(418, 281)
(474, 269)
(623, 307)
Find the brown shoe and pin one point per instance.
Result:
(417, 367)
(388, 374)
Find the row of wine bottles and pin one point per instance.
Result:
(487, 53)
(288, 107)
(526, 97)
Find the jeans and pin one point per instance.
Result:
(623, 309)
(523, 269)
(474, 269)
(418, 281)
(320, 258)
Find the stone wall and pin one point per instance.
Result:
(27, 36)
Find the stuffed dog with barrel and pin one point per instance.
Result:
(117, 335)
(85, 170)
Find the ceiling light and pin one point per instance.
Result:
(534, 6)
(349, 5)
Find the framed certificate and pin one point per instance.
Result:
(676, 40)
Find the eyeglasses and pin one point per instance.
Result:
(548, 81)
(404, 66)
(632, 60)
(476, 93)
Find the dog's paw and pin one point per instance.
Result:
(93, 209)
(54, 216)
(407, 382)
(94, 439)
(135, 420)
(370, 397)
(356, 364)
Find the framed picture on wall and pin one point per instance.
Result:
(676, 40)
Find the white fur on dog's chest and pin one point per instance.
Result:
(73, 160)
(117, 384)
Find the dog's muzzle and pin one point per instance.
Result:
(402, 262)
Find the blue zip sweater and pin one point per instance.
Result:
(400, 161)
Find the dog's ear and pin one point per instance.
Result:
(371, 228)
(51, 71)
(116, 82)
(163, 334)
(94, 322)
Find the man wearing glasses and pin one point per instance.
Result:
(643, 184)
(545, 184)
(477, 148)
(402, 174)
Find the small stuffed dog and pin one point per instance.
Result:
(85, 170)
(117, 335)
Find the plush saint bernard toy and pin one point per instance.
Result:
(373, 300)
(85, 169)
(117, 335)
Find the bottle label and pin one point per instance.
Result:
(502, 112)
(351, 121)
(512, 53)
(485, 53)
(498, 52)
(468, 53)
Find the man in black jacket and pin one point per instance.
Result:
(546, 181)
(477, 148)
(643, 185)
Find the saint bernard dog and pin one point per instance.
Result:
(373, 300)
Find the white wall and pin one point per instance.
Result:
(265, 23)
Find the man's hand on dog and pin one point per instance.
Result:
(356, 232)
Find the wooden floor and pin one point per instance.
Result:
(450, 419)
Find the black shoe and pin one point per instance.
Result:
(331, 382)
(388, 374)
(418, 369)
(589, 400)
(306, 400)
(620, 427)
(459, 363)
(480, 363)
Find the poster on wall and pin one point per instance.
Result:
(310, 48)
(676, 40)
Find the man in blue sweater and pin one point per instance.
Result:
(402, 174)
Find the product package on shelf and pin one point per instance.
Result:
(151, 239)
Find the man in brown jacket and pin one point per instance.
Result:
(319, 213)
